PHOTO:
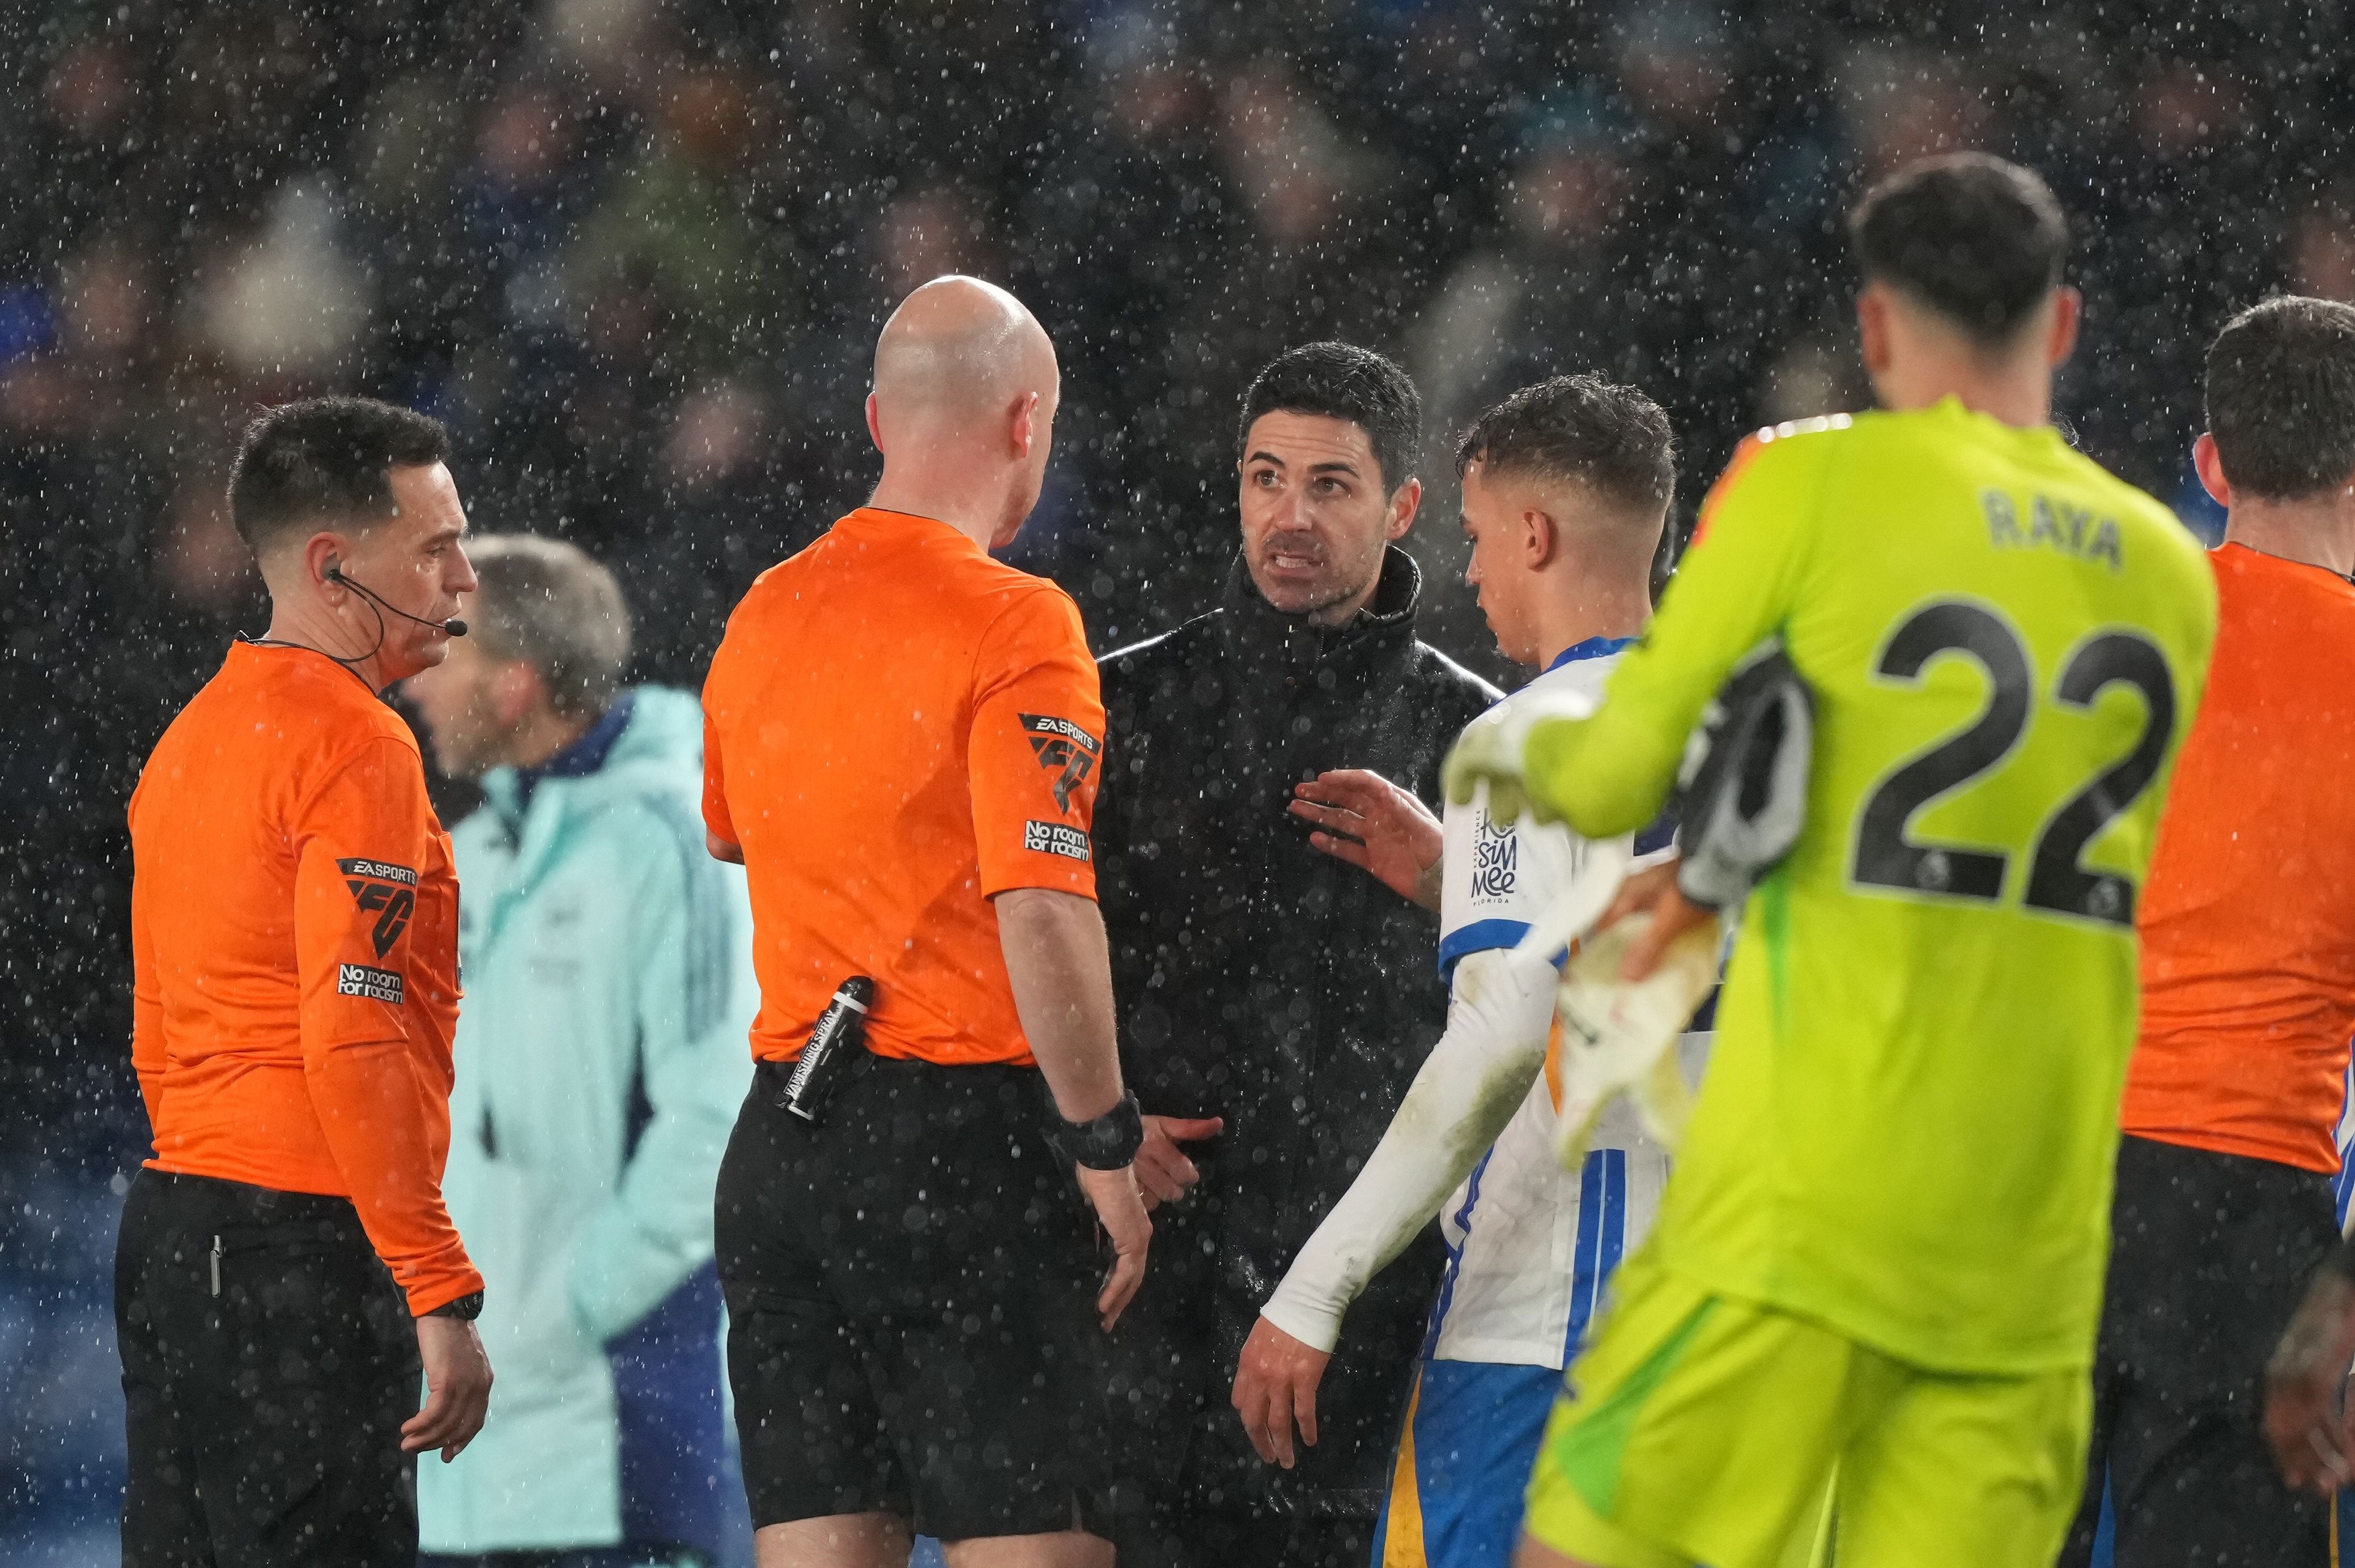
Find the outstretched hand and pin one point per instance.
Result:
(1163, 1171)
(1275, 1385)
(1365, 819)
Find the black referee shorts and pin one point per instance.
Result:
(268, 1364)
(911, 1292)
(2209, 1256)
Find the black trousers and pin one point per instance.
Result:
(1187, 1491)
(1250, 1535)
(2209, 1256)
(268, 1363)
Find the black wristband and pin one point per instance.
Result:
(1107, 1143)
(466, 1308)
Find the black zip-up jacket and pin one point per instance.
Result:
(1260, 980)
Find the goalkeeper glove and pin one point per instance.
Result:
(1490, 750)
(1620, 1038)
(1742, 795)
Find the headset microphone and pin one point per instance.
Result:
(452, 626)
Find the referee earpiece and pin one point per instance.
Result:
(334, 572)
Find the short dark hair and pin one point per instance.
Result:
(1977, 239)
(1584, 428)
(324, 459)
(1342, 382)
(2281, 398)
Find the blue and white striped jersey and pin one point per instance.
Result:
(1530, 1245)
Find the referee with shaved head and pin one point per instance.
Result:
(902, 741)
(286, 1265)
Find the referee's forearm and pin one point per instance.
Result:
(372, 1111)
(1060, 963)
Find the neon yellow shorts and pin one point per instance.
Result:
(1705, 1430)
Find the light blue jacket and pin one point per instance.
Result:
(601, 1059)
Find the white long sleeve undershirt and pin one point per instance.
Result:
(1469, 1086)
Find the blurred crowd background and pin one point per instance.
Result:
(635, 252)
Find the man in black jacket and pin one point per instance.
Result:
(1274, 1002)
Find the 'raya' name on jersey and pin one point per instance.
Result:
(2056, 525)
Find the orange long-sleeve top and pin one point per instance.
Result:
(293, 922)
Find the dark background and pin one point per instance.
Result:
(635, 253)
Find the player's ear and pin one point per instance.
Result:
(2211, 465)
(1872, 328)
(2068, 311)
(322, 555)
(1404, 502)
(1541, 538)
(1025, 427)
(874, 423)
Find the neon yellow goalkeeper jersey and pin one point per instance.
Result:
(1908, 1127)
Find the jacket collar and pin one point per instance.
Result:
(584, 756)
(510, 794)
(649, 740)
(1255, 629)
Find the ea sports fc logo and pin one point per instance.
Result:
(1064, 749)
(386, 889)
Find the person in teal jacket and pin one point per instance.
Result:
(600, 1058)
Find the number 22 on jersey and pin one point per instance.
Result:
(1888, 855)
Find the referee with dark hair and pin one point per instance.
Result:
(286, 1267)
(2223, 1200)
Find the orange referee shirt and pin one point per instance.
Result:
(897, 726)
(293, 925)
(2248, 917)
